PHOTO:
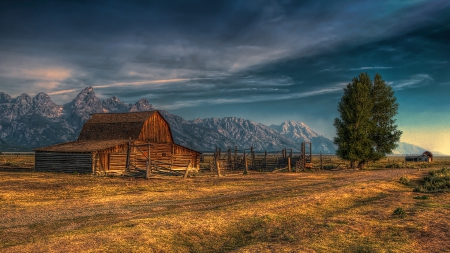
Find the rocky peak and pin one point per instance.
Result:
(80, 109)
(43, 105)
(41, 99)
(295, 130)
(87, 97)
(142, 105)
(5, 98)
(23, 100)
(113, 104)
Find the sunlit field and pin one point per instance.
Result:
(370, 210)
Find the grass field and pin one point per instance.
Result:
(320, 211)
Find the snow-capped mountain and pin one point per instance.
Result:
(27, 122)
(300, 132)
(207, 134)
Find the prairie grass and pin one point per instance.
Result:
(322, 211)
(17, 161)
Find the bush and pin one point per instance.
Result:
(400, 212)
(393, 166)
(404, 180)
(437, 180)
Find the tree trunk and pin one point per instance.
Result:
(362, 164)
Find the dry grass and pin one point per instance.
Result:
(321, 211)
(16, 161)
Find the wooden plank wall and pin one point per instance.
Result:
(183, 153)
(156, 129)
(63, 162)
(165, 155)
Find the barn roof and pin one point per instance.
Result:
(107, 130)
(104, 126)
(428, 153)
(82, 146)
(129, 117)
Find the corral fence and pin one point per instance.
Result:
(234, 159)
(244, 160)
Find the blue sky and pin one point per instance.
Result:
(267, 61)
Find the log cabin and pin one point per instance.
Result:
(119, 143)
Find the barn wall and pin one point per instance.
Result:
(184, 155)
(156, 129)
(63, 162)
(165, 156)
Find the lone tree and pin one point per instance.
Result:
(366, 129)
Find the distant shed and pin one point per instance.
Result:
(119, 143)
(426, 156)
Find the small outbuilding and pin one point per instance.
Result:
(427, 156)
(119, 143)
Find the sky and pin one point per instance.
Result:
(267, 61)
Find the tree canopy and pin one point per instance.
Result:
(366, 129)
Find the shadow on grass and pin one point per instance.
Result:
(249, 231)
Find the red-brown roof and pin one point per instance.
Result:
(107, 126)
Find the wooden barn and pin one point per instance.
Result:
(119, 143)
(427, 156)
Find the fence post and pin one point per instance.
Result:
(218, 167)
(289, 164)
(214, 160)
(253, 157)
(265, 159)
(246, 164)
(148, 164)
(187, 170)
(128, 155)
(229, 158)
(235, 157)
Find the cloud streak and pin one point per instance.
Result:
(415, 81)
(371, 68)
(253, 98)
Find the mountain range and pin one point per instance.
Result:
(29, 122)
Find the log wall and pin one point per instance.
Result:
(63, 162)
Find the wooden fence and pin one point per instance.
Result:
(249, 159)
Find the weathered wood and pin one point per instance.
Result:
(289, 164)
(253, 158)
(229, 164)
(149, 169)
(246, 164)
(156, 129)
(265, 159)
(64, 162)
(235, 157)
(218, 168)
(187, 170)
(128, 155)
